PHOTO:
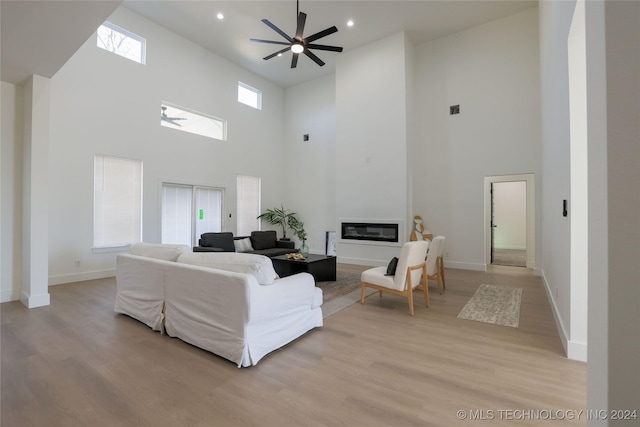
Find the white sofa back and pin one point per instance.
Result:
(159, 250)
(259, 266)
(225, 312)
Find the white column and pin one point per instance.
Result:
(35, 232)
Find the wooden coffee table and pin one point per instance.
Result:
(322, 268)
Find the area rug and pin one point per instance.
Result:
(342, 293)
(499, 305)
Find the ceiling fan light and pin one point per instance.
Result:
(297, 48)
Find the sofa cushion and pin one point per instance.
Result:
(243, 245)
(159, 251)
(259, 266)
(263, 239)
(222, 240)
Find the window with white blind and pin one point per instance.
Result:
(188, 211)
(248, 188)
(117, 202)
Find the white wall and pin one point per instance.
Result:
(372, 141)
(614, 216)
(510, 215)
(11, 182)
(492, 72)
(555, 22)
(104, 104)
(310, 167)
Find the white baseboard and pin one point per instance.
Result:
(573, 350)
(33, 301)
(474, 266)
(10, 295)
(81, 277)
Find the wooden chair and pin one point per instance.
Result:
(435, 262)
(411, 273)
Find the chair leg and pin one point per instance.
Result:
(441, 270)
(362, 294)
(410, 298)
(440, 285)
(425, 289)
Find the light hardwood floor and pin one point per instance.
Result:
(77, 363)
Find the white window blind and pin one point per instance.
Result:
(177, 219)
(188, 211)
(117, 203)
(248, 188)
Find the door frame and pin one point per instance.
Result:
(529, 178)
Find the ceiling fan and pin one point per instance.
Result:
(299, 44)
(164, 117)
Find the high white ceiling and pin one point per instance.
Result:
(374, 20)
(38, 37)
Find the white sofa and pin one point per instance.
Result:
(228, 303)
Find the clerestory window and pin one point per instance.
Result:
(121, 42)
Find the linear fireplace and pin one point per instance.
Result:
(370, 231)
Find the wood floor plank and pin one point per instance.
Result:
(77, 363)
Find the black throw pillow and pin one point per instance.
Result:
(391, 268)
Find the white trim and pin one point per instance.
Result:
(81, 277)
(33, 301)
(573, 350)
(529, 178)
(9, 295)
(458, 265)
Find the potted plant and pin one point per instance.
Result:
(298, 229)
(281, 217)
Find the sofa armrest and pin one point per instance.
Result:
(286, 294)
(207, 249)
(286, 244)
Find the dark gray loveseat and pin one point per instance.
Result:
(262, 243)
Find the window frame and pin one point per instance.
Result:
(128, 34)
(222, 122)
(252, 89)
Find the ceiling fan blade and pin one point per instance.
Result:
(302, 18)
(294, 60)
(277, 53)
(269, 41)
(314, 57)
(324, 47)
(321, 34)
(276, 29)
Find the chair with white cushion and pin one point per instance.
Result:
(410, 274)
(435, 262)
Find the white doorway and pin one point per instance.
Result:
(510, 220)
(509, 223)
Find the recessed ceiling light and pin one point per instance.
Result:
(350, 23)
(220, 16)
